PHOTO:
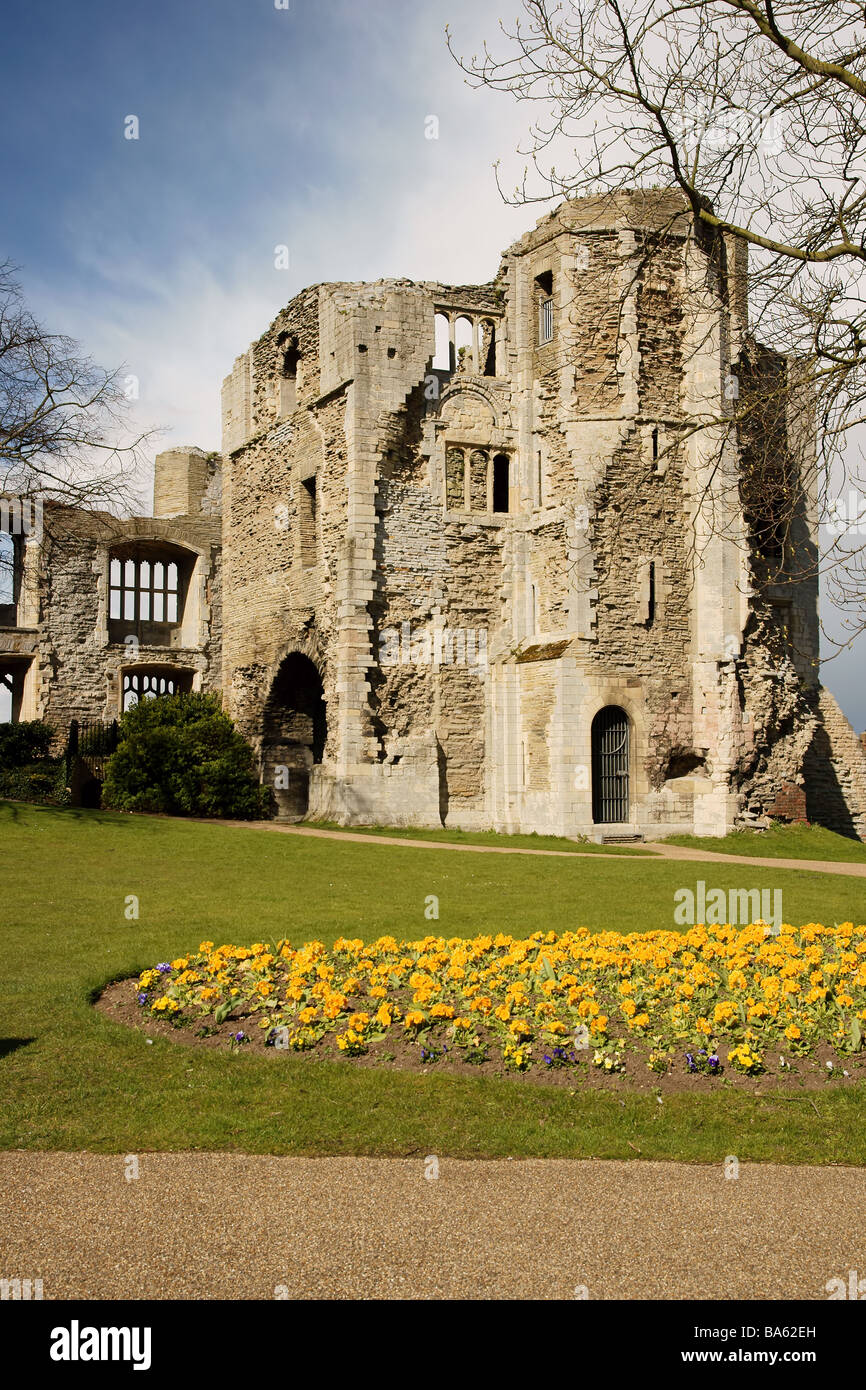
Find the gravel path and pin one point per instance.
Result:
(815, 866)
(657, 851)
(231, 1226)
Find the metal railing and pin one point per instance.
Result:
(545, 321)
(92, 742)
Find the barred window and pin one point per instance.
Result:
(147, 590)
(544, 299)
(144, 590)
(545, 321)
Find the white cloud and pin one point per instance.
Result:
(177, 287)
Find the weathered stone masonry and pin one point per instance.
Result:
(80, 643)
(478, 567)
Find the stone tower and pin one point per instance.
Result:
(485, 570)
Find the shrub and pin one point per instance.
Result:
(181, 755)
(42, 783)
(24, 743)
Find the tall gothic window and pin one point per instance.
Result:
(146, 591)
(544, 300)
(10, 574)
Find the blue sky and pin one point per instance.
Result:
(258, 127)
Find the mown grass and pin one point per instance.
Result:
(72, 1079)
(781, 842)
(488, 838)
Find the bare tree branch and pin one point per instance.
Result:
(756, 112)
(64, 421)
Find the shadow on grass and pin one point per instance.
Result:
(9, 1045)
(11, 811)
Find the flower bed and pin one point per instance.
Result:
(710, 1001)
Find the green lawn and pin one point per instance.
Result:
(483, 837)
(781, 842)
(71, 1079)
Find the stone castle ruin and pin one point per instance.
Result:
(465, 558)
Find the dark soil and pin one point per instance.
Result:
(397, 1053)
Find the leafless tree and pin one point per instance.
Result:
(65, 440)
(754, 110)
(64, 421)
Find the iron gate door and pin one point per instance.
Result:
(610, 766)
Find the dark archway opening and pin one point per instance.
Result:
(294, 734)
(610, 766)
(444, 797)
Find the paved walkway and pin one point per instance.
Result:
(208, 1226)
(656, 851)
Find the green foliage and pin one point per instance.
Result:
(42, 782)
(27, 773)
(24, 743)
(181, 755)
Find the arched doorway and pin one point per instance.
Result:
(610, 763)
(294, 733)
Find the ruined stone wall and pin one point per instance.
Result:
(355, 425)
(436, 592)
(592, 546)
(777, 667)
(435, 579)
(639, 534)
(186, 483)
(76, 673)
(605, 554)
(77, 670)
(212, 622)
(280, 574)
(835, 772)
(606, 581)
